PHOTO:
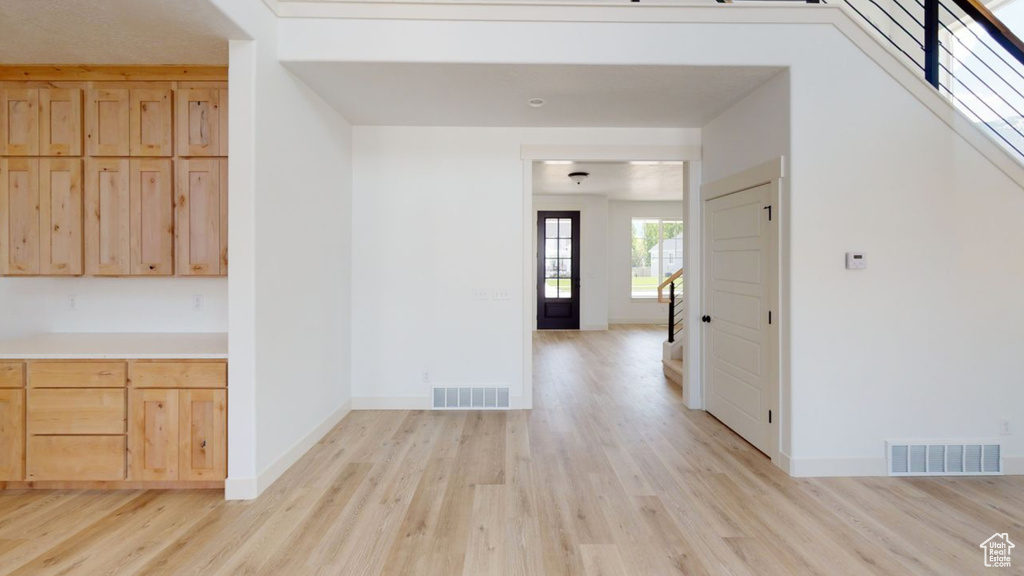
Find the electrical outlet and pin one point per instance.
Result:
(197, 303)
(1004, 427)
(72, 303)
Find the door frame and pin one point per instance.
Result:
(770, 173)
(575, 273)
(528, 154)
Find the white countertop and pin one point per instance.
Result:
(83, 346)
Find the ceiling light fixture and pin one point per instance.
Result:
(579, 177)
(644, 163)
(558, 162)
(535, 102)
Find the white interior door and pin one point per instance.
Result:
(738, 351)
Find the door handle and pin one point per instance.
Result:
(706, 319)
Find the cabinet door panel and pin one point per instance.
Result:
(60, 122)
(76, 411)
(203, 436)
(198, 122)
(43, 374)
(19, 122)
(73, 458)
(151, 123)
(198, 218)
(60, 216)
(107, 217)
(12, 434)
(153, 435)
(223, 167)
(106, 122)
(12, 374)
(223, 135)
(19, 216)
(152, 230)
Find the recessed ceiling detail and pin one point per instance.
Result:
(443, 94)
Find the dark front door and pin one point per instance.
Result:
(558, 270)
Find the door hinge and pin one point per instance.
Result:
(769, 317)
(769, 209)
(769, 416)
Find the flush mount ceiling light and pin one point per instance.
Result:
(535, 102)
(579, 177)
(558, 162)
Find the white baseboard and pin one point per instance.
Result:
(783, 462)
(593, 327)
(250, 488)
(825, 467)
(1013, 465)
(415, 403)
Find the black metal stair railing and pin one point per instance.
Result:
(675, 308)
(962, 49)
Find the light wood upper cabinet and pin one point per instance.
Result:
(107, 217)
(19, 122)
(12, 434)
(151, 122)
(153, 435)
(223, 113)
(201, 218)
(199, 122)
(60, 217)
(152, 217)
(202, 431)
(106, 122)
(19, 216)
(60, 122)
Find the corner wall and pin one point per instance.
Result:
(290, 226)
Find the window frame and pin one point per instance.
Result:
(661, 259)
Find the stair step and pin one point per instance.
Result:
(673, 370)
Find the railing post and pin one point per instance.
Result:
(931, 42)
(671, 312)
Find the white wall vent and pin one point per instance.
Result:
(471, 398)
(945, 458)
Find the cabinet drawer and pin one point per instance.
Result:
(76, 411)
(76, 458)
(179, 375)
(77, 374)
(12, 374)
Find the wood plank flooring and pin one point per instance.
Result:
(608, 476)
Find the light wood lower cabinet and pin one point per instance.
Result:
(114, 424)
(12, 434)
(177, 435)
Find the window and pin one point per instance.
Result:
(657, 254)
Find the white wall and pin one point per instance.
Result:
(924, 343)
(30, 305)
(594, 258)
(622, 308)
(291, 189)
(456, 195)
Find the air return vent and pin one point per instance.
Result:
(949, 458)
(471, 398)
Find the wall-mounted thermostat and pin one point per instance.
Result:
(856, 261)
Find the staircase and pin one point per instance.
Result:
(672, 349)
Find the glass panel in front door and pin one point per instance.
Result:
(558, 258)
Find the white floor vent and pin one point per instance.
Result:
(968, 458)
(471, 398)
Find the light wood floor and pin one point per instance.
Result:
(610, 475)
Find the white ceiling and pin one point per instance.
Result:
(114, 32)
(616, 180)
(422, 94)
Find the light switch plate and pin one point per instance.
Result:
(856, 261)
